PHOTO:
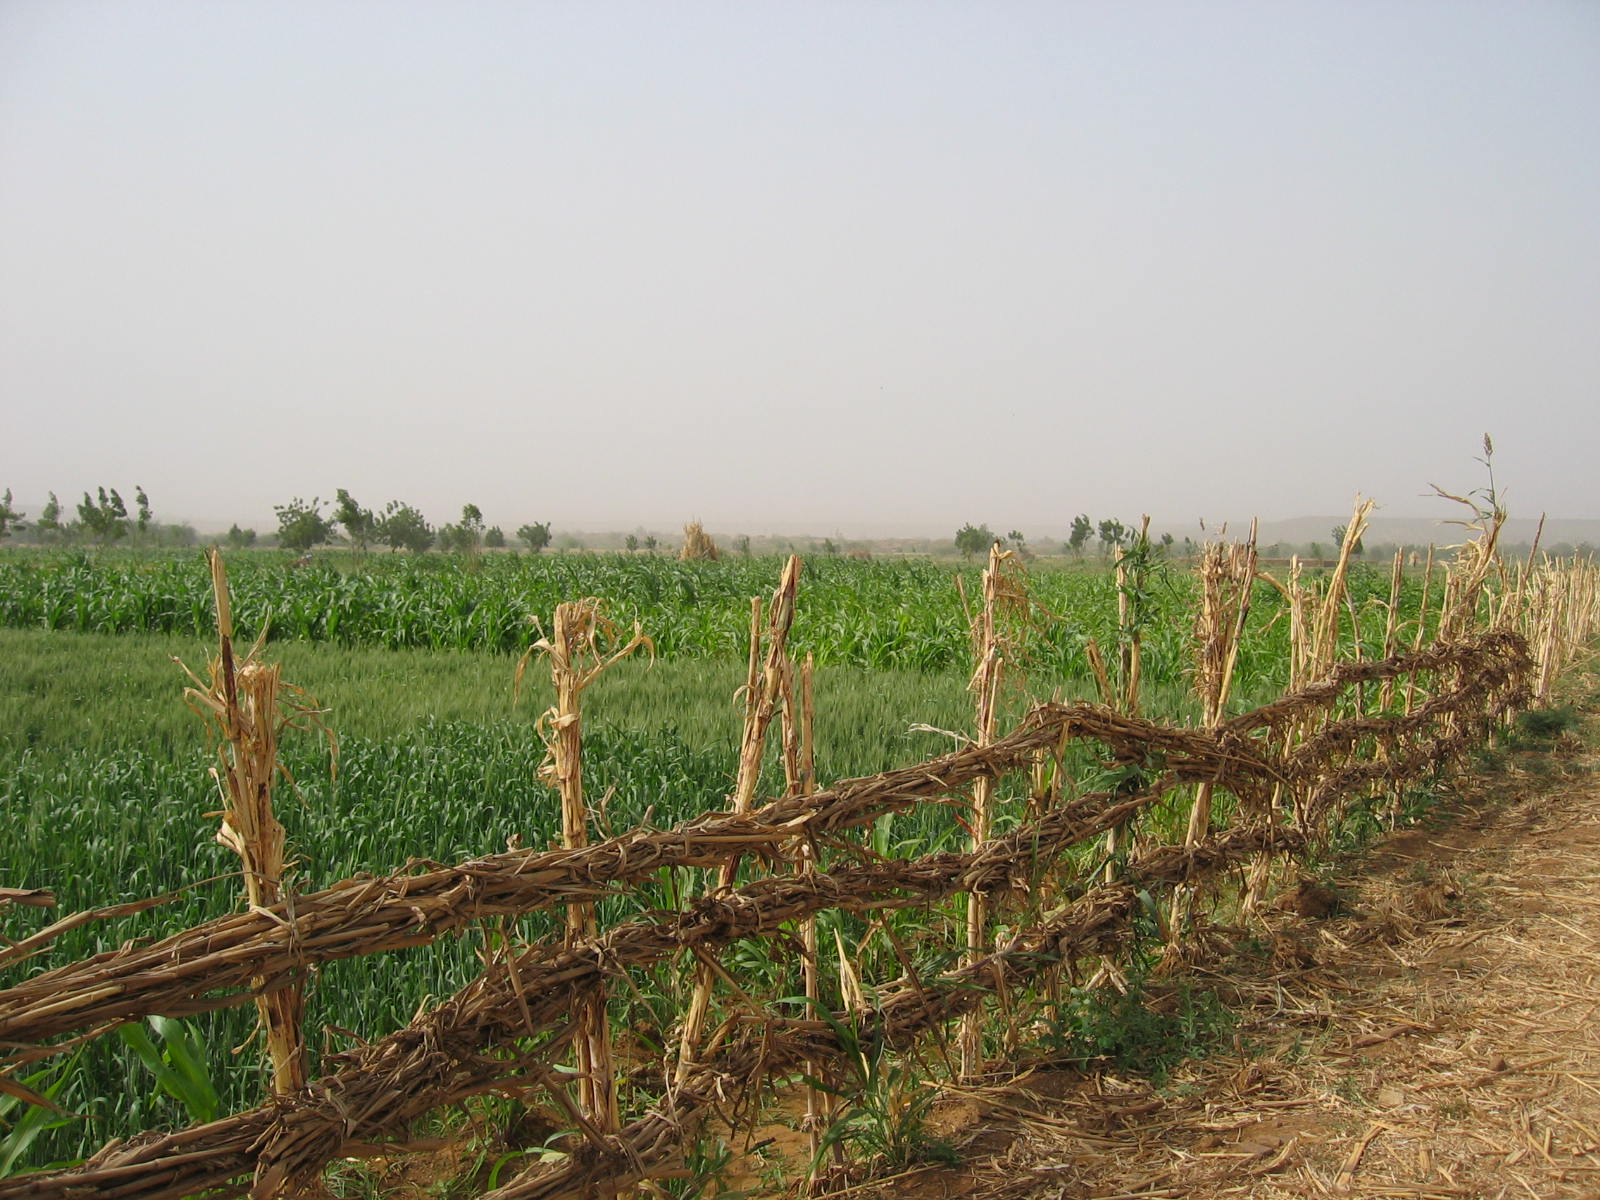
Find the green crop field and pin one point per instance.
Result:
(103, 770)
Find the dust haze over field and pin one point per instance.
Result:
(884, 267)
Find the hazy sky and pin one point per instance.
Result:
(800, 266)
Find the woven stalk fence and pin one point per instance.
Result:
(1291, 767)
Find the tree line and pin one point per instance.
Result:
(105, 518)
(102, 517)
(973, 539)
(399, 526)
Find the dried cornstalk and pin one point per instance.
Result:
(819, 1106)
(1325, 632)
(1130, 658)
(997, 629)
(1421, 634)
(1476, 559)
(248, 707)
(1227, 574)
(1391, 625)
(582, 644)
(764, 694)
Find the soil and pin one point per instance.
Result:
(1422, 1024)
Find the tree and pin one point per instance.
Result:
(402, 527)
(973, 539)
(537, 535)
(358, 522)
(240, 538)
(1016, 539)
(10, 517)
(105, 517)
(1338, 541)
(470, 532)
(631, 542)
(1082, 531)
(301, 525)
(1112, 534)
(142, 502)
(742, 544)
(494, 538)
(49, 521)
(650, 543)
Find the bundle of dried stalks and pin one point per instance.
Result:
(1559, 615)
(247, 707)
(697, 545)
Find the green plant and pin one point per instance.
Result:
(886, 1103)
(178, 1064)
(50, 1084)
(1547, 724)
(704, 1175)
(1135, 1033)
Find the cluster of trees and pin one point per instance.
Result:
(103, 517)
(1111, 533)
(976, 539)
(302, 525)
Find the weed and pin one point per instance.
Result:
(1135, 1034)
(1543, 725)
(886, 1105)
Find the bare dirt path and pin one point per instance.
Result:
(1436, 1037)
